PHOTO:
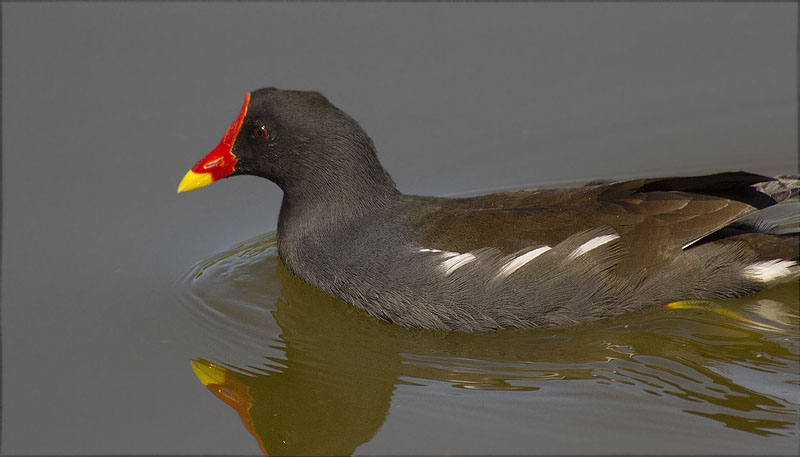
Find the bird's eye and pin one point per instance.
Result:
(260, 132)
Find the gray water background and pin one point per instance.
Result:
(105, 106)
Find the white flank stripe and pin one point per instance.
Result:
(595, 242)
(771, 270)
(517, 262)
(453, 264)
(446, 254)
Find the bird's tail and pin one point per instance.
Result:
(781, 188)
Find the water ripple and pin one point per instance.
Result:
(294, 353)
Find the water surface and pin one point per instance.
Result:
(105, 105)
(308, 374)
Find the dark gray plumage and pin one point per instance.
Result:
(509, 260)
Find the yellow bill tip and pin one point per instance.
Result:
(207, 372)
(194, 181)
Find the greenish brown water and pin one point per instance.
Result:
(312, 375)
(105, 105)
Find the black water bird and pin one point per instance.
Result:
(525, 258)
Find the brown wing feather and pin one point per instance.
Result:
(655, 217)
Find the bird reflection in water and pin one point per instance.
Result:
(326, 385)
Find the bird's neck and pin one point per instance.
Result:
(333, 202)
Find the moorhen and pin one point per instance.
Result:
(527, 258)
